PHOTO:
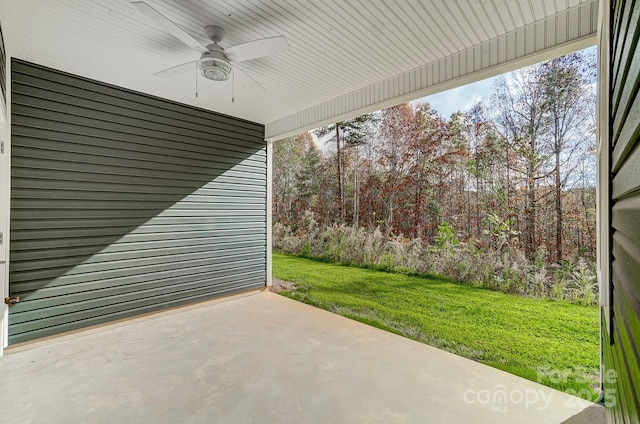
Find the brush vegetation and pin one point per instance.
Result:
(500, 267)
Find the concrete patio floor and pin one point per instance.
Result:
(262, 358)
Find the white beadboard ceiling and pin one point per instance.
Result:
(346, 57)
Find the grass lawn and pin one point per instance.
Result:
(555, 343)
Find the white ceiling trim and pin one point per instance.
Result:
(570, 30)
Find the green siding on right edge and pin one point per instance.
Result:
(621, 356)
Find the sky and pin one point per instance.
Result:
(458, 99)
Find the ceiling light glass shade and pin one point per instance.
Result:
(214, 69)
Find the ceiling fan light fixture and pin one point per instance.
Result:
(214, 68)
(215, 61)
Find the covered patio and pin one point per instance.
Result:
(123, 194)
(263, 358)
(128, 189)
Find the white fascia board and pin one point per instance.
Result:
(269, 280)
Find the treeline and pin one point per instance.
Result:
(516, 171)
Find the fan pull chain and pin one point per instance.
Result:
(233, 87)
(196, 80)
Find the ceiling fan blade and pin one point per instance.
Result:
(246, 82)
(167, 26)
(177, 70)
(257, 48)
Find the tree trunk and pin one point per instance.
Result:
(468, 211)
(389, 222)
(530, 213)
(417, 205)
(508, 181)
(558, 193)
(340, 191)
(356, 189)
(478, 234)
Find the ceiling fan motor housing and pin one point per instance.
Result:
(214, 32)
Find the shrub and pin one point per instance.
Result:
(583, 285)
(446, 238)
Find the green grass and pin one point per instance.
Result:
(518, 335)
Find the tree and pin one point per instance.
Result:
(308, 185)
(395, 133)
(520, 117)
(288, 154)
(484, 165)
(543, 113)
(425, 170)
(568, 105)
(353, 131)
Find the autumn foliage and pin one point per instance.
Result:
(512, 179)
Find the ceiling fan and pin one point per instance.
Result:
(216, 63)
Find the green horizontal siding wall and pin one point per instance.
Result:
(622, 348)
(122, 203)
(3, 70)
